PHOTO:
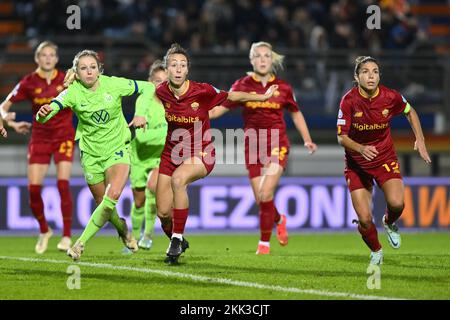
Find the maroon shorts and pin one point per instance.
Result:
(41, 151)
(167, 166)
(254, 162)
(358, 178)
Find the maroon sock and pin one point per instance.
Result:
(37, 206)
(66, 206)
(392, 216)
(166, 225)
(179, 220)
(266, 218)
(370, 236)
(277, 215)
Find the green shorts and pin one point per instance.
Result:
(94, 167)
(144, 158)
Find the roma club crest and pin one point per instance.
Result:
(195, 106)
(385, 113)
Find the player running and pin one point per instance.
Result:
(363, 129)
(146, 150)
(104, 138)
(54, 139)
(265, 121)
(188, 153)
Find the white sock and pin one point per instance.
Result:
(177, 235)
(265, 243)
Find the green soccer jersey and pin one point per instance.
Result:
(102, 126)
(153, 111)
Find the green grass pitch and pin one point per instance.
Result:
(312, 266)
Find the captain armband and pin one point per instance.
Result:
(407, 108)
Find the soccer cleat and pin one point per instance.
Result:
(262, 249)
(376, 258)
(42, 243)
(76, 251)
(145, 243)
(64, 244)
(184, 246)
(394, 238)
(282, 233)
(174, 250)
(127, 238)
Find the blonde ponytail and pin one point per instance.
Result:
(70, 77)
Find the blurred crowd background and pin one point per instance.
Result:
(224, 25)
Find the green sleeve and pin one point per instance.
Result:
(128, 87)
(62, 101)
(141, 106)
(145, 101)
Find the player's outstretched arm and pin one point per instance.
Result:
(302, 127)
(245, 96)
(419, 144)
(46, 112)
(21, 127)
(3, 132)
(217, 112)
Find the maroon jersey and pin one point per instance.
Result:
(265, 114)
(189, 112)
(34, 88)
(367, 121)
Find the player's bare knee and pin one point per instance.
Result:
(113, 194)
(365, 220)
(163, 211)
(139, 203)
(396, 206)
(178, 182)
(163, 214)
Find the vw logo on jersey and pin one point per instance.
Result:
(100, 116)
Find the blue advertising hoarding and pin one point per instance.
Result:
(218, 203)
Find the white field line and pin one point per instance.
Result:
(198, 278)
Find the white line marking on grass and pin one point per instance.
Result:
(209, 279)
